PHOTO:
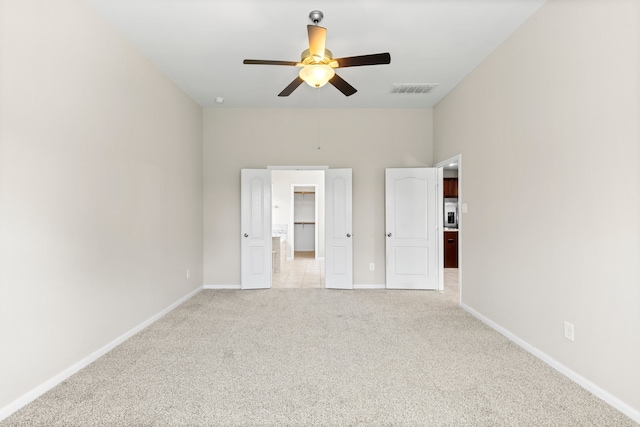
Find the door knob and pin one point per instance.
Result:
(389, 235)
(246, 235)
(348, 235)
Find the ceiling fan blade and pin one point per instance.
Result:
(292, 86)
(356, 61)
(342, 85)
(317, 39)
(265, 62)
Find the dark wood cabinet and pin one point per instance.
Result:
(450, 187)
(450, 249)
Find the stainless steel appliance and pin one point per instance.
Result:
(450, 213)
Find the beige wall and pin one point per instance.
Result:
(368, 141)
(100, 190)
(552, 233)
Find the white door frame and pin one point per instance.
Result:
(463, 208)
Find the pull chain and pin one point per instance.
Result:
(317, 117)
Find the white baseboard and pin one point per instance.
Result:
(365, 286)
(218, 287)
(575, 377)
(52, 382)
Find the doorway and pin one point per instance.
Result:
(305, 220)
(256, 207)
(298, 228)
(451, 208)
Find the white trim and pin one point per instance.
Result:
(219, 287)
(297, 168)
(365, 286)
(572, 375)
(32, 395)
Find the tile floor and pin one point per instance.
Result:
(451, 283)
(304, 271)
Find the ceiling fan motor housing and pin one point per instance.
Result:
(306, 58)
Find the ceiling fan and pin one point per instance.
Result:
(318, 63)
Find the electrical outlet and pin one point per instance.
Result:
(188, 273)
(568, 331)
(372, 266)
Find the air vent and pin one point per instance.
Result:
(413, 87)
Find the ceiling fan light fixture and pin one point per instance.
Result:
(316, 75)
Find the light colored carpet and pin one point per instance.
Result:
(318, 357)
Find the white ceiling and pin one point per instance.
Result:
(200, 45)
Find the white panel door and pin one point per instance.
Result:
(411, 228)
(338, 229)
(255, 225)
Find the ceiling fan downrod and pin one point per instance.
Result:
(316, 16)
